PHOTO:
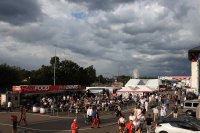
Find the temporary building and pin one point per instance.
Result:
(143, 88)
(153, 83)
(132, 82)
(127, 89)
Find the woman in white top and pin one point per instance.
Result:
(155, 113)
(121, 124)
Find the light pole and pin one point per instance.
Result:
(54, 70)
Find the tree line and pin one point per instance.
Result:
(67, 72)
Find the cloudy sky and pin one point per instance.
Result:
(116, 36)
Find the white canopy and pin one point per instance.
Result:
(132, 82)
(143, 88)
(126, 89)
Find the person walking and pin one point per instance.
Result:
(23, 116)
(89, 114)
(9, 106)
(155, 113)
(142, 122)
(52, 108)
(149, 123)
(175, 111)
(129, 127)
(163, 113)
(136, 124)
(146, 104)
(96, 120)
(122, 124)
(118, 111)
(14, 120)
(74, 126)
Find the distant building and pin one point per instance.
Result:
(177, 78)
(193, 56)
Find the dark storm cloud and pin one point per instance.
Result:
(101, 4)
(19, 12)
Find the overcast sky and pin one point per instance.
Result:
(116, 36)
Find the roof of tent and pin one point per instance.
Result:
(132, 82)
(154, 83)
(126, 89)
(143, 88)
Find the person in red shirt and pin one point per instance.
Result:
(14, 120)
(96, 120)
(74, 126)
(130, 127)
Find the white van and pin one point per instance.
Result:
(189, 106)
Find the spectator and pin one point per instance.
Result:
(131, 117)
(96, 120)
(130, 127)
(146, 105)
(74, 126)
(136, 124)
(121, 124)
(149, 123)
(163, 113)
(142, 122)
(89, 114)
(155, 113)
(23, 115)
(14, 120)
(175, 111)
(118, 111)
(52, 109)
(9, 106)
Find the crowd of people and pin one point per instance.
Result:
(148, 109)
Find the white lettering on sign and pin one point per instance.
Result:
(41, 88)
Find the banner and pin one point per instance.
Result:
(44, 88)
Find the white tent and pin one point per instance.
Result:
(126, 89)
(153, 84)
(132, 82)
(143, 88)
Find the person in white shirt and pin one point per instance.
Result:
(131, 117)
(121, 124)
(89, 114)
(163, 113)
(146, 104)
(9, 106)
(137, 125)
(155, 113)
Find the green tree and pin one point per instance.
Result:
(42, 76)
(90, 75)
(68, 72)
(9, 76)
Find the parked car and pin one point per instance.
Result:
(189, 106)
(178, 125)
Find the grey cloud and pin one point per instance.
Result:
(101, 4)
(19, 12)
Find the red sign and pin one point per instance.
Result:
(44, 88)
